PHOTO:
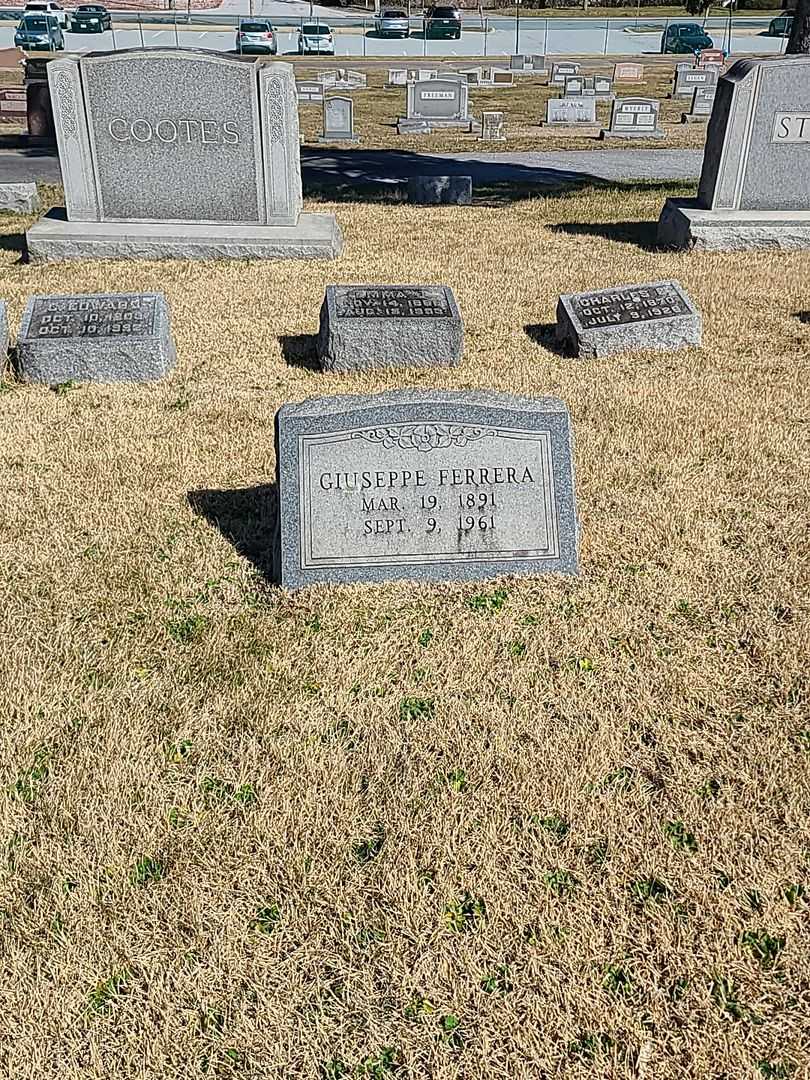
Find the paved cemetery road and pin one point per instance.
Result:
(333, 166)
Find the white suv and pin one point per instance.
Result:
(48, 7)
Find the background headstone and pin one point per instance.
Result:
(19, 198)
(424, 484)
(688, 79)
(397, 76)
(702, 105)
(657, 315)
(754, 189)
(389, 326)
(559, 72)
(338, 120)
(628, 72)
(309, 92)
(115, 337)
(570, 111)
(634, 118)
(441, 102)
(440, 190)
(493, 128)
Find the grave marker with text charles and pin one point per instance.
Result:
(753, 189)
(424, 484)
(178, 153)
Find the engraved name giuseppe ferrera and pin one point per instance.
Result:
(166, 130)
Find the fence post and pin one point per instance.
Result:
(607, 36)
(486, 33)
(176, 35)
(140, 29)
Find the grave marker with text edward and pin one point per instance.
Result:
(424, 484)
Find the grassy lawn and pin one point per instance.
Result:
(525, 829)
(376, 112)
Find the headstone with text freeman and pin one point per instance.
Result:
(171, 153)
(628, 72)
(658, 315)
(753, 189)
(432, 485)
(702, 105)
(560, 72)
(441, 102)
(338, 120)
(105, 337)
(389, 326)
(634, 118)
(563, 112)
(688, 79)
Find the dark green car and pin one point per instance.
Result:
(685, 38)
(781, 25)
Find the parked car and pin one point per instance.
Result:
(256, 35)
(90, 19)
(392, 22)
(39, 32)
(781, 25)
(685, 38)
(442, 22)
(49, 7)
(315, 38)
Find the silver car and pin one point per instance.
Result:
(256, 35)
(392, 22)
(315, 38)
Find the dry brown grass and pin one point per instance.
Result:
(376, 111)
(246, 834)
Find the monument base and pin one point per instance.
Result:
(694, 118)
(54, 239)
(654, 133)
(684, 224)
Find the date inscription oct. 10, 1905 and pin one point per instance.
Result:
(450, 493)
(63, 317)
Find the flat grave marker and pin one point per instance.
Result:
(753, 189)
(104, 337)
(658, 315)
(432, 485)
(364, 327)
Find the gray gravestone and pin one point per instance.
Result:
(431, 485)
(754, 189)
(115, 337)
(426, 74)
(19, 198)
(397, 76)
(501, 77)
(178, 154)
(413, 127)
(574, 86)
(517, 63)
(688, 79)
(658, 315)
(602, 86)
(634, 118)
(309, 92)
(389, 326)
(474, 76)
(493, 128)
(560, 72)
(628, 72)
(440, 190)
(539, 64)
(440, 102)
(702, 105)
(338, 120)
(571, 112)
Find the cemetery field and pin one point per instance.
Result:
(524, 104)
(526, 828)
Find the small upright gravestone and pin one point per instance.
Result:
(688, 79)
(658, 315)
(709, 57)
(560, 72)
(397, 76)
(310, 92)
(117, 337)
(432, 485)
(627, 72)
(492, 126)
(338, 120)
(753, 189)
(571, 112)
(19, 198)
(389, 326)
(598, 86)
(440, 190)
(702, 105)
(634, 118)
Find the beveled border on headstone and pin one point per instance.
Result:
(335, 454)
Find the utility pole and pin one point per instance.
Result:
(517, 26)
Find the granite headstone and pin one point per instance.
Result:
(106, 337)
(389, 326)
(634, 118)
(702, 105)
(754, 189)
(628, 72)
(338, 120)
(430, 485)
(657, 315)
(571, 112)
(493, 127)
(442, 102)
(688, 79)
(560, 72)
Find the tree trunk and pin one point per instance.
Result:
(800, 34)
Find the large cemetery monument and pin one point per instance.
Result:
(170, 153)
(754, 188)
